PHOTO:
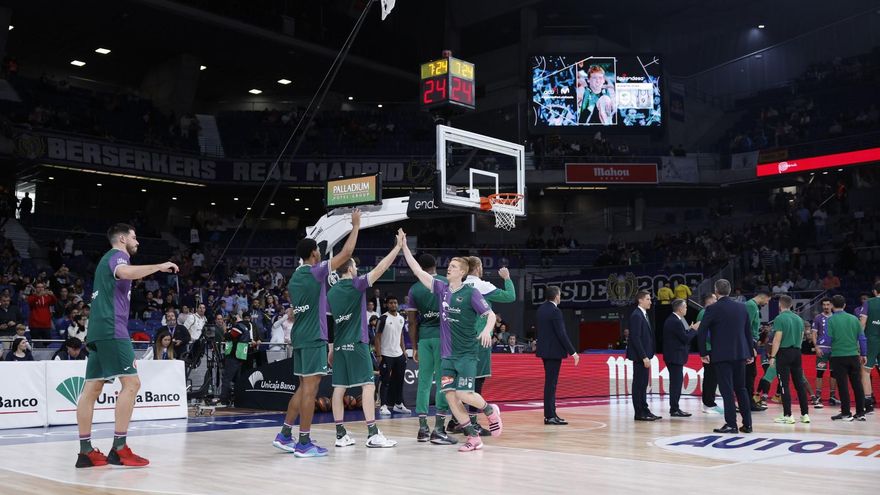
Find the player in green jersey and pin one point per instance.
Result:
(350, 352)
(308, 297)
(111, 354)
(461, 306)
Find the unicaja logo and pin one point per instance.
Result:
(254, 378)
(71, 388)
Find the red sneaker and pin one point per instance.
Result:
(125, 457)
(92, 459)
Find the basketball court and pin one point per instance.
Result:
(601, 450)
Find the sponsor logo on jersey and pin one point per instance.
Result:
(342, 318)
(301, 309)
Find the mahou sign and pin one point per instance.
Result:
(604, 173)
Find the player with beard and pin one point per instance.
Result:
(111, 354)
(823, 352)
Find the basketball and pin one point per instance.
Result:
(323, 404)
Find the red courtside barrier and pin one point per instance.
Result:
(521, 377)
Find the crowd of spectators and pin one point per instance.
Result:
(827, 101)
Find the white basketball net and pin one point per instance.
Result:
(505, 210)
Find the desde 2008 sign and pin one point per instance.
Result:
(353, 191)
(616, 173)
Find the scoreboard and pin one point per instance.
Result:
(446, 82)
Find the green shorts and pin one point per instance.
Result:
(823, 362)
(484, 362)
(873, 352)
(109, 359)
(352, 365)
(310, 361)
(458, 374)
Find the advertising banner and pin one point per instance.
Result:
(22, 394)
(616, 173)
(162, 394)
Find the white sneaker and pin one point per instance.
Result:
(400, 408)
(711, 410)
(383, 411)
(378, 441)
(345, 441)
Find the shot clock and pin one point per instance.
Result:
(447, 82)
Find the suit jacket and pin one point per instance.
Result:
(726, 325)
(178, 332)
(676, 340)
(641, 337)
(553, 342)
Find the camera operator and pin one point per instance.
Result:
(235, 352)
(256, 356)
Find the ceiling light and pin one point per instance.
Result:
(306, 208)
(143, 190)
(379, 105)
(78, 63)
(284, 81)
(840, 170)
(11, 27)
(51, 178)
(284, 213)
(203, 67)
(235, 199)
(759, 56)
(825, 173)
(296, 199)
(99, 184)
(173, 198)
(102, 51)
(761, 26)
(254, 91)
(271, 204)
(351, 98)
(213, 204)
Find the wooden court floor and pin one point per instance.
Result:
(601, 451)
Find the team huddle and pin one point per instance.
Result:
(456, 323)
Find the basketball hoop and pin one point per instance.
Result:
(504, 205)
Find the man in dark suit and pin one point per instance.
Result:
(553, 346)
(677, 336)
(640, 351)
(726, 328)
(179, 334)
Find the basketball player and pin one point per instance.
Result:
(869, 318)
(785, 356)
(491, 294)
(426, 337)
(111, 354)
(350, 353)
(459, 343)
(311, 353)
(596, 106)
(823, 350)
(753, 305)
(710, 382)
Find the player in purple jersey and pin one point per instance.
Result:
(111, 354)
(823, 352)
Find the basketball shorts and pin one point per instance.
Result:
(484, 362)
(310, 361)
(873, 352)
(352, 365)
(109, 359)
(458, 374)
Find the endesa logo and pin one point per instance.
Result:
(784, 449)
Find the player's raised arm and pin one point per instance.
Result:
(424, 277)
(383, 265)
(135, 272)
(348, 248)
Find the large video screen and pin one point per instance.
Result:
(586, 92)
